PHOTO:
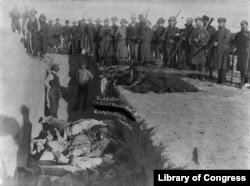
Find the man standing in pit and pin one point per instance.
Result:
(52, 84)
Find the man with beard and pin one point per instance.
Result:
(32, 27)
(106, 48)
(146, 38)
(198, 41)
(132, 36)
(221, 43)
(160, 30)
(209, 49)
(97, 39)
(15, 16)
(170, 38)
(42, 37)
(242, 41)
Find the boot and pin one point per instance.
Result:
(219, 81)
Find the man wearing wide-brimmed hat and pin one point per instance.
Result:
(106, 47)
(198, 41)
(74, 37)
(121, 36)
(221, 45)
(15, 16)
(32, 27)
(97, 39)
(146, 38)
(83, 34)
(157, 41)
(171, 39)
(132, 36)
(91, 35)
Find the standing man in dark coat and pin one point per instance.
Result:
(32, 27)
(146, 38)
(210, 52)
(15, 16)
(242, 41)
(91, 35)
(50, 32)
(57, 31)
(158, 35)
(52, 84)
(25, 16)
(42, 37)
(114, 27)
(170, 36)
(106, 47)
(198, 41)
(186, 33)
(221, 43)
(74, 31)
(83, 34)
(97, 39)
(66, 32)
(132, 35)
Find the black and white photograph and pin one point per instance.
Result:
(107, 92)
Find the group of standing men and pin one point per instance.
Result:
(201, 47)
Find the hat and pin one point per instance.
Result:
(161, 20)
(141, 16)
(98, 19)
(106, 20)
(133, 16)
(74, 22)
(114, 19)
(205, 18)
(43, 16)
(244, 22)
(198, 19)
(189, 19)
(83, 19)
(172, 18)
(33, 11)
(90, 19)
(57, 19)
(222, 19)
(123, 21)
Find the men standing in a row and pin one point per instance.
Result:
(83, 34)
(170, 35)
(221, 43)
(57, 31)
(91, 35)
(198, 41)
(209, 49)
(97, 39)
(106, 48)
(15, 16)
(242, 41)
(158, 35)
(132, 36)
(32, 27)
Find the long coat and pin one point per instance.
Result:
(145, 49)
(242, 41)
(15, 15)
(122, 49)
(106, 48)
(158, 42)
(42, 35)
(57, 31)
(91, 35)
(198, 40)
(222, 37)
